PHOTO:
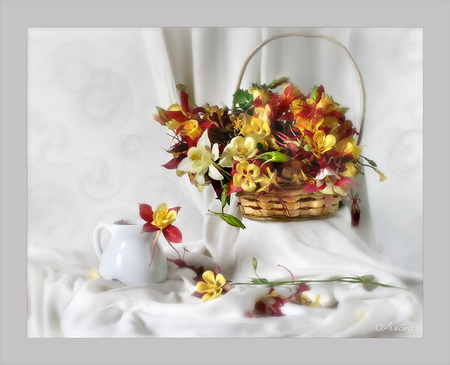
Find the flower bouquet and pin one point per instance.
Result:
(286, 154)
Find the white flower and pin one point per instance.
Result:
(200, 160)
(242, 148)
(326, 171)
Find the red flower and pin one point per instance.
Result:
(161, 221)
(271, 304)
(355, 211)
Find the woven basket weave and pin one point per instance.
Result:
(293, 203)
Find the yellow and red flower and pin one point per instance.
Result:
(160, 221)
(211, 284)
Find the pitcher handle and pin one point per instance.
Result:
(97, 234)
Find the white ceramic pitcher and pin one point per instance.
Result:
(128, 253)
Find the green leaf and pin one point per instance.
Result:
(229, 219)
(367, 278)
(315, 93)
(274, 84)
(242, 97)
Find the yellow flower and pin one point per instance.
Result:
(267, 181)
(236, 124)
(191, 129)
(294, 93)
(212, 285)
(320, 143)
(294, 173)
(263, 114)
(246, 176)
(241, 148)
(163, 217)
(348, 146)
(351, 170)
(296, 106)
(327, 104)
(173, 124)
(255, 126)
(259, 93)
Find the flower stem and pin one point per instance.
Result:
(154, 245)
(351, 280)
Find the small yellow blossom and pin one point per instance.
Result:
(255, 126)
(294, 174)
(241, 148)
(267, 181)
(351, 170)
(348, 146)
(212, 285)
(246, 176)
(263, 114)
(320, 143)
(163, 217)
(327, 104)
(257, 92)
(191, 129)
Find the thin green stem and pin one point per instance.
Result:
(350, 280)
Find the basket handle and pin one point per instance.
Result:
(244, 66)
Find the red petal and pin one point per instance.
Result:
(173, 163)
(148, 227)
(198, 295)
(216, 269)
(184, 101)
(146, 212)
(302, 288)
(274, 311)
(172, 234)
(176, 209)
(177, 115)
(260, 307)
(233, 189)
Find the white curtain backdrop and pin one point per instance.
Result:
(95, 152)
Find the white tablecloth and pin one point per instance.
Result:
(95, 153)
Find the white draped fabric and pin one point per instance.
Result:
(95, 152)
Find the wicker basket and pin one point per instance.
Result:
(293, 203)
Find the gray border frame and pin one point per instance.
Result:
(17, 16)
